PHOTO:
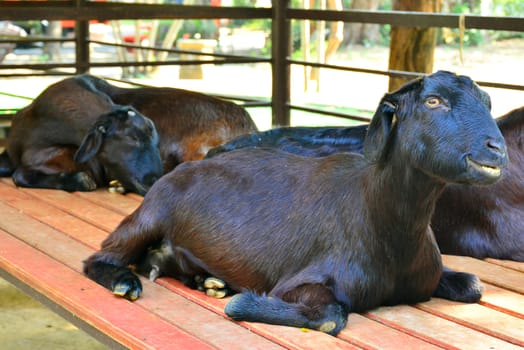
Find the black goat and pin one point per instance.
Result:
(309, 240)
(305, 141)
(75, 139)
(478, 221)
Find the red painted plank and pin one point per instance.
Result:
(84, 298)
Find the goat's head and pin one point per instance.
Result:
(442, 125)
(125, 143)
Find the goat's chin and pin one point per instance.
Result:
(481, 174)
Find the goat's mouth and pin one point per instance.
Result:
(488, 172)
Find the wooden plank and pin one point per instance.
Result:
(494, 274)
(51, 216)
(515, 265)
(123, 204)
(83, 298)
(483, 319)
(505, 301)
(425, 324)
(79, 207)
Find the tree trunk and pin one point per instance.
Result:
(360, 33)
(412, 48)
(52, 50)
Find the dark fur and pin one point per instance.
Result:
(487, 221)
(478, 221)
(308, 240)
(189, 123)
(75, 139)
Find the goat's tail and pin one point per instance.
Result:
(6, 166)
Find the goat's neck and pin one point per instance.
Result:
(403, 200)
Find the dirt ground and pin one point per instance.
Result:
(27, 324)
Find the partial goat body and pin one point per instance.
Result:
(478, 221)
(304, 141)
(308, 240)
(75, 139)
(189, 123)
(45, 135)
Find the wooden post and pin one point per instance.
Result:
(281, 73)
(412, 48)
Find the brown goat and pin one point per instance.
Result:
(308, 240)
(74, 139)
(188, 125)
(478, 221)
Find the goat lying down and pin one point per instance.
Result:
(46, 135)
(308, 240)
(74, 139)
(478, 221)
(189, 123)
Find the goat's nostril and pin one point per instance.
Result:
(496, 146)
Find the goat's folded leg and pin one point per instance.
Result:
(328, 317)
(76, 181)
(459, 286)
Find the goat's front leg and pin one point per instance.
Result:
(76, 181)
(459, 286)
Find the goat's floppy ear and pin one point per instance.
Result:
(379, 131)
(90, 144)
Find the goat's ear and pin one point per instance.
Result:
(90, 144)
(379, 131)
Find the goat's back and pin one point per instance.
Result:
(189, 123)
(61, 114)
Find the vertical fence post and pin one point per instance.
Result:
(280, 39)
(81, 41)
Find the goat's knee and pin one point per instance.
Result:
(459, 286)
(248, 306)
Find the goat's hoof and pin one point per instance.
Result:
(127, 286)
(214, 283)
(216, 293)
(116, 187)
(327, 327)
(85, 181)
(215, 287)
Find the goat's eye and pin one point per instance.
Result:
(432, 102)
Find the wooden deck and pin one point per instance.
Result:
(45, 235)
